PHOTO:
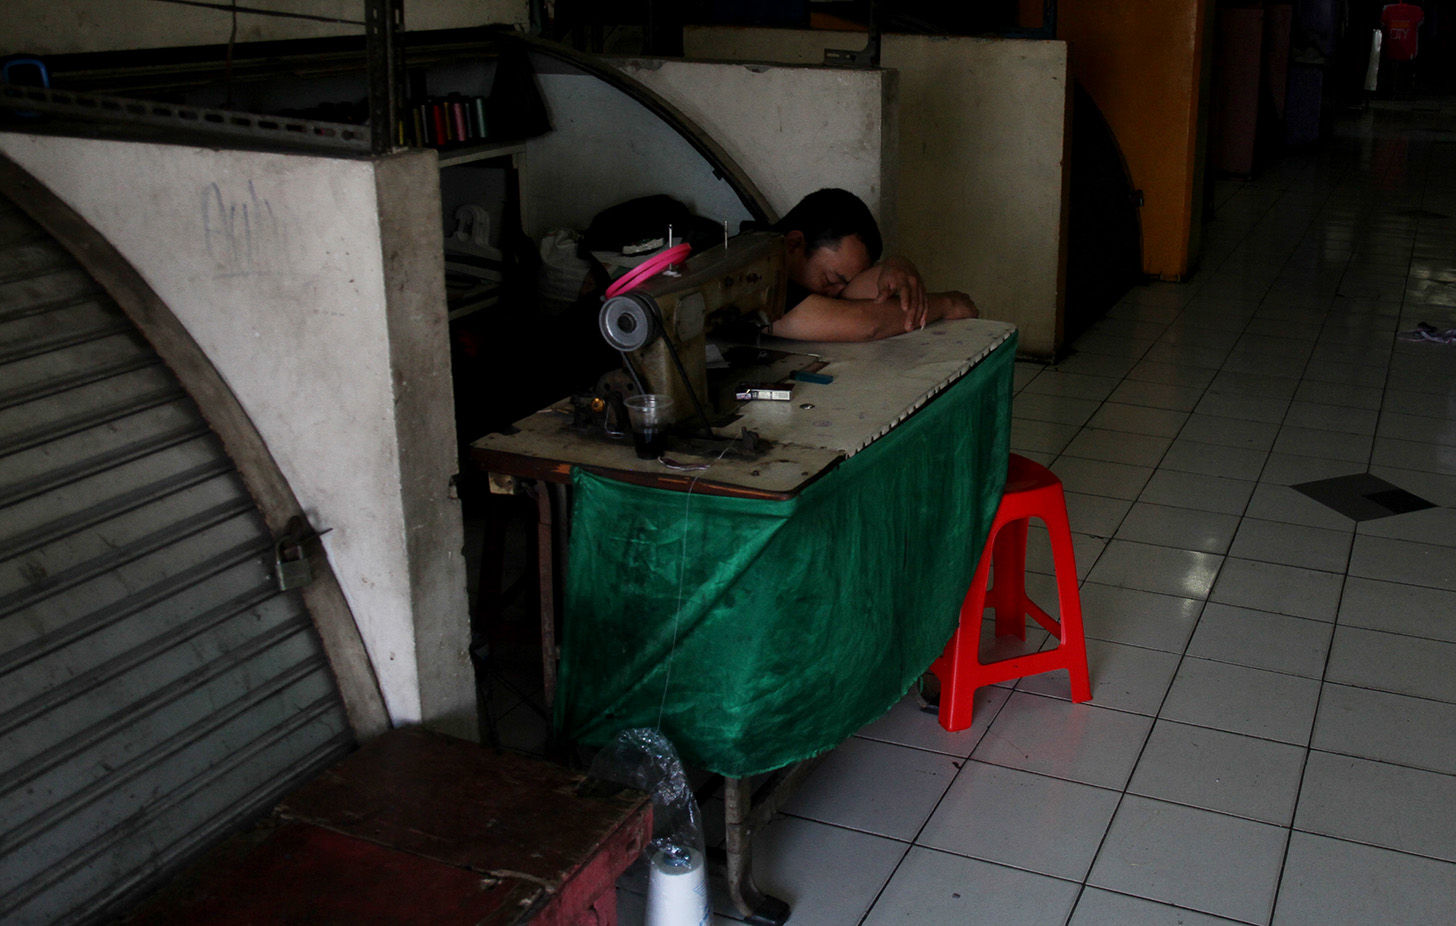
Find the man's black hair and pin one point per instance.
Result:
(826, 216)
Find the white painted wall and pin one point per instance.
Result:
(982, 160)
(56, 27)
(274, 264)
(792, 129)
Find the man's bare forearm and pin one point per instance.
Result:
(822, 318)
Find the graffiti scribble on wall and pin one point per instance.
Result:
(243, 235)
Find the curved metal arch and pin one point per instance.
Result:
(722, 163)
(332, 617)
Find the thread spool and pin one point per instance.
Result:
(677, 888)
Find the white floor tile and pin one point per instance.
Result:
(1215, 770)
(1293, 544)
(1075, 385)
(1100, 908)
(1138, 618)
(1327, 416)
(1205, 861)
(1421, 428)
(907, 724)
(1164, 525)
(1127, 328)
(933, 888)
(1118, 447)
(1098, 515)
(1243, 407)
(1197, 490)
(1078, 742)
(1173, 374)
(1436, 526)
(1399, 608)
(1437, 410)
(1278, 588)
(1086, 548)
(1157, 395)
(1291, 469)
(1124, 678)
(1248, 382)
(1405, 454)
(1337, 883)
(791, 856)
(1337, 393)
(1238, 699)
(1376, 803)
(1165, 570)
(1096, 342)
(1183, 354)
(1138, 419)
(1097, 365)
(1261, 640)
(1023, 373)
(1001, 814)
(1056, 408)
(1028, 435)
(1386, 727)
(1329, 445)
(1404, 561)
(1230, 432)
(875, 787)
(1101, 477)
(1190, 456)
(1393, 662)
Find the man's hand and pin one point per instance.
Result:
(952, 305)
(900, 280)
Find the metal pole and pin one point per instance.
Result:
(383, 26)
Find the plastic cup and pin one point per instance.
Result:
(651, 416)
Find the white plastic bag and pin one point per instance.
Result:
(562, 273)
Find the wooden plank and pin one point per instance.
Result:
(463, 804)
(417, 827)
(297, 873)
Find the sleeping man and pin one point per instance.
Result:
(837, 291)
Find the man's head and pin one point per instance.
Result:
(831, 237)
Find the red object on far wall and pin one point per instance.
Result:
(1401, 22)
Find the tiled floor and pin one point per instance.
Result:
(1272, 733)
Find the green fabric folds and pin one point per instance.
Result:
(758, 633)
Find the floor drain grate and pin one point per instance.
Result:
(1363, 496)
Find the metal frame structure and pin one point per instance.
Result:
(331, 136)
(383, 28)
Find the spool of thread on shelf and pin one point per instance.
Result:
(677, 888)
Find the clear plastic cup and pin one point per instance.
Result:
(651, 416)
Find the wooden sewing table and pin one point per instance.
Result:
(845, 428)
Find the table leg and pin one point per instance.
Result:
(746, 810)
(756, 907)
(546, 566)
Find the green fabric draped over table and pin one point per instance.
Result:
(757, 633)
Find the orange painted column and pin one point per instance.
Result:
(1142, 63)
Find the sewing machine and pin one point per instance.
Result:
(664, 327)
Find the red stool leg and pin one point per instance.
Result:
(958, 667)
(1007, 594)
(1072, 643)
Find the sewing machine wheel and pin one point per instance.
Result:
(628, 321)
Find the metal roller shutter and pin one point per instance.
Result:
(156, 689)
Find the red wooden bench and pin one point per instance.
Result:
(417, 827)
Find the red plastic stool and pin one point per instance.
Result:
(1032, 491)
